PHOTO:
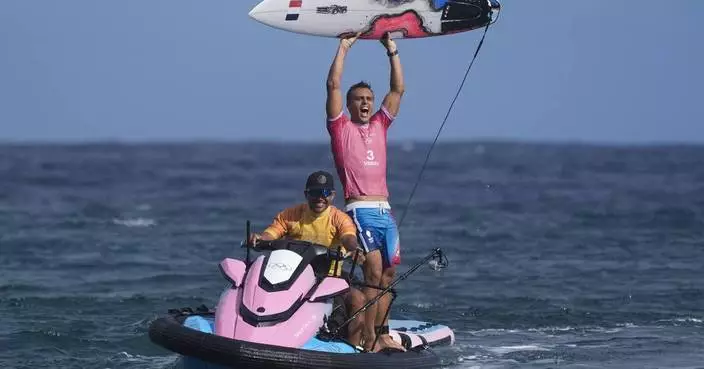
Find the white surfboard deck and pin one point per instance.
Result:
(374, 18)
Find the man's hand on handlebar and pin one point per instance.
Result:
(357, 254)
(253, 238)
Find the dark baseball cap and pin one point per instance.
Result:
(320, 180)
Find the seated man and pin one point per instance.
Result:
(319, 222)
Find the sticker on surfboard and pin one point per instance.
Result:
(374, 18)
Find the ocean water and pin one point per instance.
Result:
(560, 256)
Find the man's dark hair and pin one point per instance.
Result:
(360, 84)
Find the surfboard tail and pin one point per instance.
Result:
(495, 7)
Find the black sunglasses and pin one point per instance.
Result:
(322, 192)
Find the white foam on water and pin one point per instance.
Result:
(476, 362)
(683, 320)
(627, 325)
(485, 355)
(589, 329)
(504, 364)
(554, 329)
(425, 305)
(493, 332)
(503, 350)
(145, 362)
(135, 222)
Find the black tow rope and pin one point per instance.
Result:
(415, 186)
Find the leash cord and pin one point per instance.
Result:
(415, 186)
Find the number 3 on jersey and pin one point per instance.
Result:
(370, 155)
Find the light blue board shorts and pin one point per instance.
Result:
(376, 229)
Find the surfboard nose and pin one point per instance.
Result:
(275, 13)
(266, 11)
(256, 12)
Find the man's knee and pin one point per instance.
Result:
(355, 299)
(373, 268)
(388, 275)
(390, 271)
(374, 277)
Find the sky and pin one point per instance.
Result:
(179, 70)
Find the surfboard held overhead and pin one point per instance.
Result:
(374, 18)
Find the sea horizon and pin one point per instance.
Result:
(318, 142)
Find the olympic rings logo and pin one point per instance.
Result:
(280, 266)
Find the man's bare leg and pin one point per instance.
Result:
(372, 277)
(382, 318)
(355, 299)
(374, 315)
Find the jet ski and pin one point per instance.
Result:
(274, 313)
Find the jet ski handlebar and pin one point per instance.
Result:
(299, 247)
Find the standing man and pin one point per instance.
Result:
(358, 143)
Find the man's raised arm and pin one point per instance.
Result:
(392, 100)
(333, 105)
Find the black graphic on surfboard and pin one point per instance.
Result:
(459, 15)
(332, 9)
(452, 15)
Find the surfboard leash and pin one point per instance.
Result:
(466, 73)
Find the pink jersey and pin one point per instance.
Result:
(359, 151)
